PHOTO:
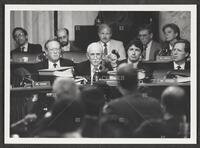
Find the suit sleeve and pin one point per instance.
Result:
(121, 51)
(39, 48)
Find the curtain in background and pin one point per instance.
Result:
(69, 19)
(38, 24)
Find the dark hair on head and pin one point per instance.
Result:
(114, 126)
(19, 28)
(102, 26)
(135, 42)
(174, 27)
(146, 27)
(187, 44)
(127, 77)
(50, 40)
(94, 99)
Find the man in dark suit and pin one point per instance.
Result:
(20, 36)
(63, 37)
(108, 44)
(180, 57)
(94, 63)
(132, 106)
(180, 54)
(53, 55)
(150, 47)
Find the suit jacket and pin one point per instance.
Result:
(170, 66)
(155, 48)
(44, 64)
(117, 45)
(136, 108)
(32, 49)
(84, 69)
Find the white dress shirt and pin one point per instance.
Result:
(176, 66)
(148, 49)
(51, 64)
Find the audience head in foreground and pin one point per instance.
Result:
(127, 78)
(66, 119)
(174, 123)
(173, 100)
(65, 88)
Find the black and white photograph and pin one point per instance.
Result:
(90, 74)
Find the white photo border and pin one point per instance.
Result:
(131, 7)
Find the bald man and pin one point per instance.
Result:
(94, 63)
(62, 35)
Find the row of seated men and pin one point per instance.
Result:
(150, 47)
(86, 113)
(108, 54)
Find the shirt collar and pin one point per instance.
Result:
(149, 44)
(25, 47)
(182, 66)
(50, 64)
(102, 43)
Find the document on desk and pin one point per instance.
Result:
(181, 79)
(59, 72)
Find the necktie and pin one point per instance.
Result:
(94, 76)
(22, 48)
(54, 65)
(105, 49)
(178, 67)
(144, 52)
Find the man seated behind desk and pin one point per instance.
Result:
(63, 37)
(108, 44)
(134, 53)
(53, 54)
(94, 63)
(150, 47)
(180, 53)
(20, 36)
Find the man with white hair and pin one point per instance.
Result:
(94, 63)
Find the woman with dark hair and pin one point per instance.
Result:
(172, 35)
